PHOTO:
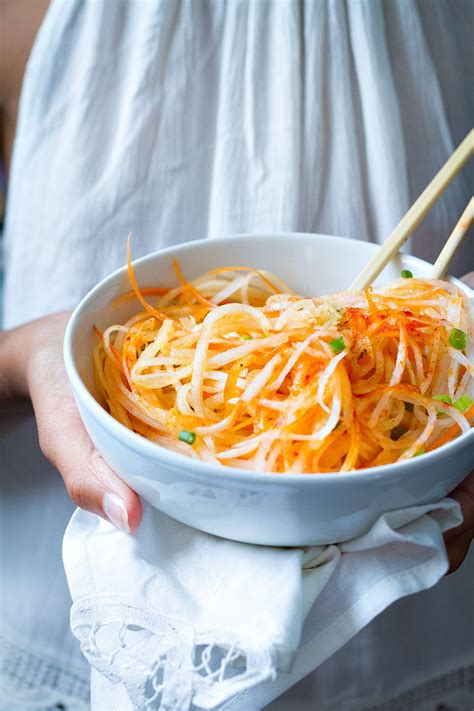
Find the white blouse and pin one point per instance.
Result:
(183, 120)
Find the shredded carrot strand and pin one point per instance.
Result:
(267, 281)
(131, 275)
(451, 433)
(98, 332)
(147, 291)
(189, 287)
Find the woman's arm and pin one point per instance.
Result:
(11, 383)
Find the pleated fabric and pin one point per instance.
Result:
(193, 119)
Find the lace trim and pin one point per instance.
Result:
(29, 682)
(161, 661)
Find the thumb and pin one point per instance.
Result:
(89, 480)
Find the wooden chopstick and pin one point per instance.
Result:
(415, 214)
(455, 238)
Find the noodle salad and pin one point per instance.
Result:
(234, 368)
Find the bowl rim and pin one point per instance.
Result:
(156, 451)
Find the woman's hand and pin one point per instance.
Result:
(31, 364)
(460, 538)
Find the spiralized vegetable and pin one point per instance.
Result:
(235, 369)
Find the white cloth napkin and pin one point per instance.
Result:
(178, 618)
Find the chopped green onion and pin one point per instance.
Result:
(409, 406)
(188, 437)
(458, 339)
(407, 274)
(246, 337)
(337, 344)
(443, 398)
(463, 403)
(397, 432)
(420, 450)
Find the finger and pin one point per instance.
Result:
(89, 480)
(457, 550)
(464, 495)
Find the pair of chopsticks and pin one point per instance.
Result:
(417, 212)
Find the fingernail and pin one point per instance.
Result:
(114, 509)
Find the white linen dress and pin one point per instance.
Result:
(193, 119)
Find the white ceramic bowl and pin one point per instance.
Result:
(271, 509)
